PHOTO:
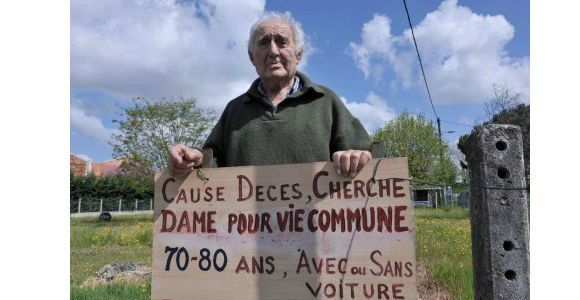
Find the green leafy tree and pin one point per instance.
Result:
(415, 137)
(149, 128)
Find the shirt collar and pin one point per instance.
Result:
(305, 86)
(297, 86)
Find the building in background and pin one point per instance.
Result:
(109, 167)
(428, 196)
(81, 167)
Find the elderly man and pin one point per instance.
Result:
(283, 118)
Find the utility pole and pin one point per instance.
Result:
(439, 129)
(440, 153)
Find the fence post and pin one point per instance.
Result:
(79, 208)
(151, 204)
(120, 204)
(499, 213)
(136, 201)
(101, 206)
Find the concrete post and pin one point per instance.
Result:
(499, 213)
(101, 206)
(136, 202)
(151, 204)
(79, 208)
(120, 204)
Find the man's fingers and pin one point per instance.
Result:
(345, 162)
(350, 162)
(354, 162)
(336, 161)
(364, 158)
(193, 155)
(182, 160)
(175, 155)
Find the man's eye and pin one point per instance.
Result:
(264, 41)
(281, 41)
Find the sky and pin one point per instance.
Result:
(120, 50)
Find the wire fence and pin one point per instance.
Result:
(93, 204)
(433, 197)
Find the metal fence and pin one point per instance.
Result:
(91, 204)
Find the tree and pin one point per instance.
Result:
(150, 128)
(504, 99)
(415, 138)
(510, 112)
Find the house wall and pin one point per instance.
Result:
(79, 166)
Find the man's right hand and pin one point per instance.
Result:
(182, 160)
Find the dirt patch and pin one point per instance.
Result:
(428, 288)
(135, 272)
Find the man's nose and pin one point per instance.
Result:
(273, 48)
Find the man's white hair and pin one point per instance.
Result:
(295, 26)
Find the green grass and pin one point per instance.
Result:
(95, 244)
(445, 212)
(443, 242)
(114, 291)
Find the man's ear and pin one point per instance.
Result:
(299, 55)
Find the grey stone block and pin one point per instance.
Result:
(499, 213)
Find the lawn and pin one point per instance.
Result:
(95, 244)
(443, 244)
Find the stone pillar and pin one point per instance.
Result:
(499, 213)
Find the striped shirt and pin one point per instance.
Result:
(296, 87)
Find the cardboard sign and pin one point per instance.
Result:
(285, 232)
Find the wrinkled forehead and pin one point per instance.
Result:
(273, 28)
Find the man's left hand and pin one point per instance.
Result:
(350, 162)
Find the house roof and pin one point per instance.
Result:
(110, 167)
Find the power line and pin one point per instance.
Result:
(419, 56)
(466, 125)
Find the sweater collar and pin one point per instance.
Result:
(307, 87)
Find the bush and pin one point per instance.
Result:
(107, 187)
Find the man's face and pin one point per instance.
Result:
(273, 51)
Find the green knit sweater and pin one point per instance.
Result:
(308, 126)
